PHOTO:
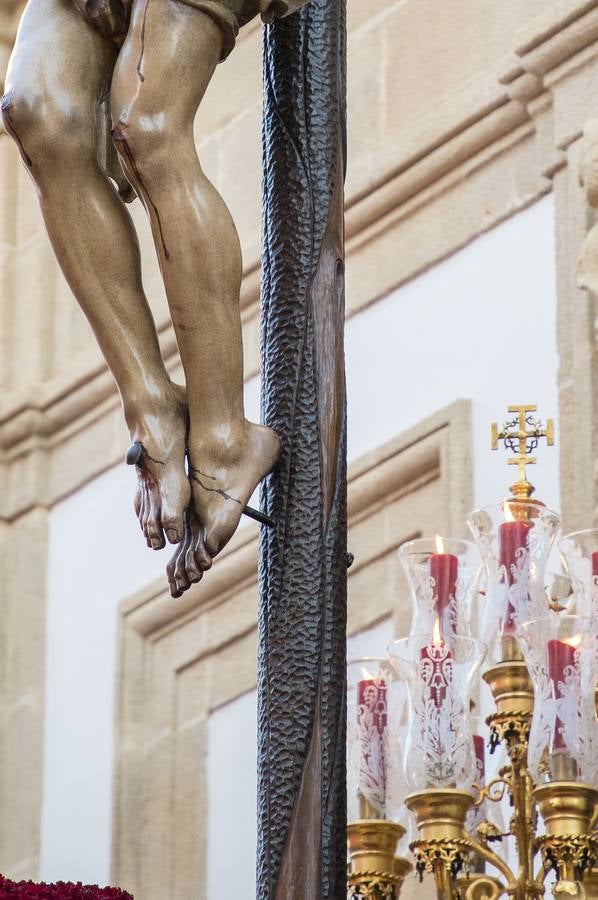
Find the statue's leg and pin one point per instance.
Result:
(164, 67)
(59, 71)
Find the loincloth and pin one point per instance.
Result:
(111, 17)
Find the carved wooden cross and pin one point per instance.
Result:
(522, 435)
(302, 832)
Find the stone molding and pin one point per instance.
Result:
(506, 126)
(179, 660)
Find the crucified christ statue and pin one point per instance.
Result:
(143, 66)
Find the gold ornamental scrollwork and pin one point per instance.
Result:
(373, 886)
(569, 853)
(487, 832)
(481, 887)
(512, 730)
(453, 855)
(495, 790)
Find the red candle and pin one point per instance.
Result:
(561, 655)
(372, 719)
(512, 537)
(480, 758)
(595, 564)
(443, 570)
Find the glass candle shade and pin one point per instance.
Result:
(438, 671)
(561, 655)
(560, 591)
(375, 702)
(579, 552)
(515, 539)
(442, 574)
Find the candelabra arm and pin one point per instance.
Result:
(484, 888)
(524, 823)
(494, 860)
(494, 791)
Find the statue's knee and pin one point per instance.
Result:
(14, 110)
(124, 139)
(140, 139)
(18, 120)
(43, 130)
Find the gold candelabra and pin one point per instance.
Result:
(374, 871)
(447, 847)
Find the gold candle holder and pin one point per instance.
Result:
(444, 847)
(569, 845)
(511, 687)
(513, 694)
(440, 813)
(374, 872)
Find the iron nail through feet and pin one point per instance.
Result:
(134, 453)
(259, 516)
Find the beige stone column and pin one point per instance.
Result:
(23, 553)
(578, 374)
(554, 71)
(23, 548)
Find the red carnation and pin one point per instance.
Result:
(27, 890)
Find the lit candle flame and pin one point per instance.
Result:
(365, 675)
(436, 632)
(439, 544)
(574, 641)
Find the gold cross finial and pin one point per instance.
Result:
(521, 434)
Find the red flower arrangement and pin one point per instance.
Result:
(27, 890)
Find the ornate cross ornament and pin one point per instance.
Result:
(521, 435)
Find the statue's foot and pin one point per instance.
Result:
(223, 478)
(158, 454)
(240, 470)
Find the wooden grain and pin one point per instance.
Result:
(301, 754)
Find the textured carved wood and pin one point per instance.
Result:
(302, 624)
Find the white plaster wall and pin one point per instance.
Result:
(96, 558)
(371, 641)
(448, 334)
(232, 807)
(454, 333)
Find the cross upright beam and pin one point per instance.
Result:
(303, 565)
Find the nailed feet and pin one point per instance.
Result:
(198, 507)
(157, 451)
(223, 476)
